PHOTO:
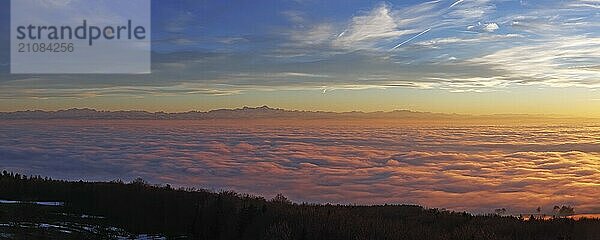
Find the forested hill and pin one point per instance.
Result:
(138, 207)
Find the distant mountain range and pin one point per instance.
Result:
(263, 112)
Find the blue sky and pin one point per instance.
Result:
(209, 54)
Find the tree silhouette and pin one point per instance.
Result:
(500, 211)
(566, 211)
(139, 207)
(280, 198)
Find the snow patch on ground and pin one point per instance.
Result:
(2, 201)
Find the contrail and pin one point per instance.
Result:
(410, 39)
(456, 3)
(427, 30)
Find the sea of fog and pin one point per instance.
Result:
(475, 168)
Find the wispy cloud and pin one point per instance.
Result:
(380, 27)
(367, 30)
(560, 62)
(586, 3)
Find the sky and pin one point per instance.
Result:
(450, 56)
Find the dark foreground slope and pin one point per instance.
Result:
(104, 210)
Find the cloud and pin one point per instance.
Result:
(56, 3)
(470, 168)
(455, 46)
(559, 62)
(179, 22)
(486, 27)
(316, 35)
(295, 17)
(474, 9)
(367, 30)
(467, 40)
(384, 27)
(586, 4)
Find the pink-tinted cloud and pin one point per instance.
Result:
(474, 168)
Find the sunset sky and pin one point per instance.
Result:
(451, 56)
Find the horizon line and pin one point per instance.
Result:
(246, 107)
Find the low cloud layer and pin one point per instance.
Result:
(461, 168)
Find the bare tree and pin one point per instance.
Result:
(566, 211)
(555, 210)
(500, 211)
(280, 198)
